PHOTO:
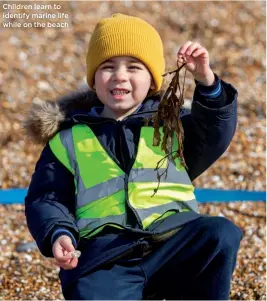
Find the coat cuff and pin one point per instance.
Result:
(63, 231)
(213, 91)
(221, 99)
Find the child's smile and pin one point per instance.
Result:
(119, 93)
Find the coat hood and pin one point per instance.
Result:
(45, 118)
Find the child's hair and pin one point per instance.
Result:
(122, 35)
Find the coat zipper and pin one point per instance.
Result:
(126, 183)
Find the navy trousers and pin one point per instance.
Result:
(196, 263)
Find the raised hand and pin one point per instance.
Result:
(197, 62)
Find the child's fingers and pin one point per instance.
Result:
(181, 56)
(184, 47)
(63, 258)
(64, 266)
(71, 264)
(181, 59)
(74, 262)
(192, 48)
(69, 261)
(58, 252)
(198, 52)
(68, 257)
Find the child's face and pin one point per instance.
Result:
(122, 83)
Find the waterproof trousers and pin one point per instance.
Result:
(196, 263)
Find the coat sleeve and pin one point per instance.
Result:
(209, 128)
(49, 203)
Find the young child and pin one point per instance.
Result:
(93, 184)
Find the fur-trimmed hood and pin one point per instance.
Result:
(45, 118)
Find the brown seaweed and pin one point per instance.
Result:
(168, 115)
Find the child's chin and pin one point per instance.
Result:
(121, 107)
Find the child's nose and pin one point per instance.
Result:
(120, 75)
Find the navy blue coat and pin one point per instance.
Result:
(208, 129)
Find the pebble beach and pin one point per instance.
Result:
(49, 62)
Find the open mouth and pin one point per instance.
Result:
(119, 92)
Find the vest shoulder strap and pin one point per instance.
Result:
(59, 150)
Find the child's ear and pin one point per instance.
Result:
(152, 86)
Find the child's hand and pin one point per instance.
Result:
(197, 59)
(62, 249)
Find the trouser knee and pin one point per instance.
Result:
(225, 233)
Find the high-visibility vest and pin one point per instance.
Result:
(103, 190)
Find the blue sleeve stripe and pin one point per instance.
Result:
(213, 94)
(62, 232)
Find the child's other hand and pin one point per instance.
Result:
(62, 249)
(197, 59)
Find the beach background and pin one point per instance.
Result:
(44, 62)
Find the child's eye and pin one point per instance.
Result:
(134, 67)
(107, 67)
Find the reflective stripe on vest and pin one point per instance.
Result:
(101, 185)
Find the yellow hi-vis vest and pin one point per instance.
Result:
(103, 190)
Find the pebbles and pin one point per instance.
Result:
(75, 254)
(46, 63)
(249, 280)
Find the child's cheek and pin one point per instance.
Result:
(103, 77)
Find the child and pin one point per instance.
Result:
(93, 184)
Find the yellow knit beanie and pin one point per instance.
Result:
(122, 35)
